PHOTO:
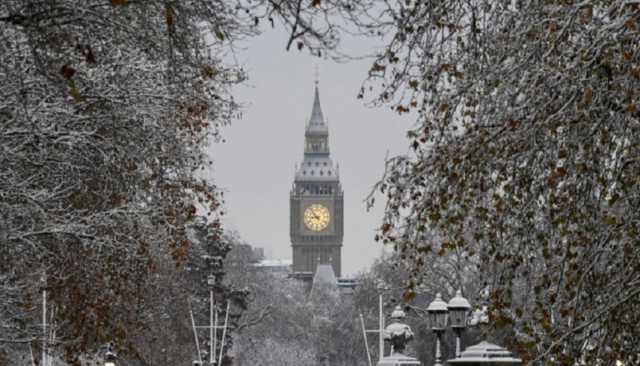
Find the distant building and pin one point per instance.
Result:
(258, 253)
(243, 252)
(324, 279)
(347, 285)
(277, 266)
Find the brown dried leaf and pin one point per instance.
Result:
(588, 96)
(630, 24)
(631, 108)
(408, 296)
(67, 71)
(168, 14)
(378, 67)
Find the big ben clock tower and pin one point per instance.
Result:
(316, 205)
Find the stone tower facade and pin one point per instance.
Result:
(316, 202)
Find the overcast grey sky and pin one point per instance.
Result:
(255, 166)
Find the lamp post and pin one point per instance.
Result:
(211, 281)
(438, 318)
(43, 281)
(458, 310)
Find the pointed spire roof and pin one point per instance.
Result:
(316, 112)
(324, 278)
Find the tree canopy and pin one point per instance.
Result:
(106, 107)
(524, 161)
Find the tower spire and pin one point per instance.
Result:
(316, 183)
(316, 75)
(317, 131)
(317, 118)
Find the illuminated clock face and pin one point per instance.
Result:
(316, 217)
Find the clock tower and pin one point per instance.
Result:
(316, 203)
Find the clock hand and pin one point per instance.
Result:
(315, 214)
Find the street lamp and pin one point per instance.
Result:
(398, 313)
(458, 310)
(438, 318)
(110, 357)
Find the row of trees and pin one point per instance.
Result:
(285, 324)
(523, 170)
(523, 163)
(107, 108)
(105, 112)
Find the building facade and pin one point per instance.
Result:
(316, 202)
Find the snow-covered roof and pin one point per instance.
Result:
(397, 330)
(458, 302)
(317, 168)
(486, 353)
(325, 279)
(325, 276)
(398, 359)
(438, 304)
(398, 313)
(273, 263)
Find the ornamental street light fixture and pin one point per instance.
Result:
(438, 318)
(110, 357)
(398, 313)
(458, 310)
